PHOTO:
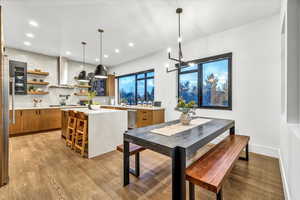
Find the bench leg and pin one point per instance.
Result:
(136, 171)
(192, 191)
(247, 154)
(126, 161)
(220, 195)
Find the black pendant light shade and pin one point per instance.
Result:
(100, 72)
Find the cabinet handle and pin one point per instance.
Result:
(21, 113)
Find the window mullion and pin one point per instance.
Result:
(146, 96)
(200, 84)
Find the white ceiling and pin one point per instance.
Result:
(150, 24)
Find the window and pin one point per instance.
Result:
(136, 87)
(127, 89)
(207, 82)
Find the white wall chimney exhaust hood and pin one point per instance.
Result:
(62, 74)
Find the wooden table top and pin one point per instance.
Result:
(191, 140)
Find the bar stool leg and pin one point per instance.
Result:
(192, 191)
(83, 144)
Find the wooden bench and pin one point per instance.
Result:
(133, 150)
(214, 166)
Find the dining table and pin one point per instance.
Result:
(178, 146)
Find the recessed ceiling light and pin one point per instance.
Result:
(30, 35)
(105, 56)
(33, 23)
(97, 59)
(130, 44)
(27, 43)
(68, 53)
(117, 50)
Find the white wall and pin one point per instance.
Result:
(290, 128)
(256, 79)
(49, 64)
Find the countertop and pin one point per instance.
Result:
(93, 112)
(136, 107)
(47, 107)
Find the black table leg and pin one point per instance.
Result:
(220, 195)
(232, 131)
(126, 160)
(137, 164)
(178, 174)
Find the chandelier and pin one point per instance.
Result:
(180, 57)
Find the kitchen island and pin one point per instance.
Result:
(105, 129)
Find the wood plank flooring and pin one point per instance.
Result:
(42, 167)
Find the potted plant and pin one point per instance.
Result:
(186, 110)
(91, 96)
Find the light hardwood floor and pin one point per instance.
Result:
(42, 167)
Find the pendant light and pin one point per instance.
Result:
(179, 60)
(82, 75)
(100, 72)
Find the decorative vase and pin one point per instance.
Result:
(90, 104)
(185, 118)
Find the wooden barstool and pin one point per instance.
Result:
(71, 130)
(81, 136)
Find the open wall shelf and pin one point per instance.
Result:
(37, 73)
(37, 93)
(37, 83)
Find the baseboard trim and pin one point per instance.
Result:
(264, 150)
(286, 190)
(255, 148)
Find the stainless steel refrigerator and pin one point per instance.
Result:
(4, 109)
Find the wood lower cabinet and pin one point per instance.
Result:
(17, 127)
(50, 119)
(150, 117)
(144, 117)
(30, 120)
(34, 120)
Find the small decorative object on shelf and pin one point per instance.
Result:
(186, 110)
(36, 101)
(91, 96)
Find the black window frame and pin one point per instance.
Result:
(136, 80)
(199, 63)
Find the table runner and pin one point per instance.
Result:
(177, 128)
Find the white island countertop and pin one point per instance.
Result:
(105, 129)
(92, 112)
(136, 107)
